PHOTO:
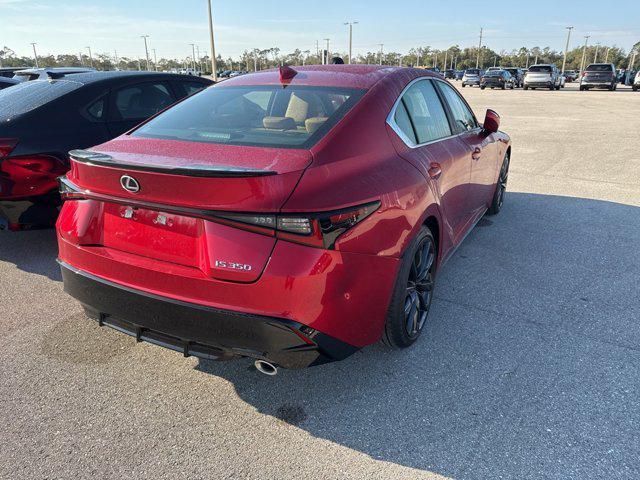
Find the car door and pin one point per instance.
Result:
(135, 102)
(420, 119)
(481, 150)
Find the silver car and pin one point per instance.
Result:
(636, 82)
(471, 77)
(543, 76)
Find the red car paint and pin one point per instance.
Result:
(343, 292)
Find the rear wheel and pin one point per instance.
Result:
(413, 292)
(526, 87)
(501, 188)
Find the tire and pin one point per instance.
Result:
(481, 88)
(634, 88)
(581, 88)
(558, 88)
(501, 188)
(410, 303)
(526, 87)
(463, 85)
(504, 87)
(512, 87)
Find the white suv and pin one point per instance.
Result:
(543, 76)
(636, 82)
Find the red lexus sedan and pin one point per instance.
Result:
(292, 216)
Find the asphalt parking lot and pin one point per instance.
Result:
(530, 367)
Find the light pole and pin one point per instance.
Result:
(198, 56)
(155, 60)
(146, 50)
(446, 54)
(584, 53)
(116, 58)
(595, 58)
(327, 54)
(351, 24)
(479, 48)
(566, 48)
(81, 59)
(35, 55)
(606, 55)
(193, 56)
(418, 51)
(381, 51)
(90, 57)
(213, 47)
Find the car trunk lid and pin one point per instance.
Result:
(180, 187)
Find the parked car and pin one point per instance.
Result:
(459, 74)
(450, 74)
(543, 76)
(47, 73)
(497, 79)
(7, 82)
(517, 74)
(292, 225)
(636, 82)
(599, 75)
(570, 75)
(40, 121)
(471, 77)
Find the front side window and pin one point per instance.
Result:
(142, 100)
(426, 113)
(264, 115)
(462, 116)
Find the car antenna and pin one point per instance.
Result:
(287, 73)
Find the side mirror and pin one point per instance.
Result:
(491, 122)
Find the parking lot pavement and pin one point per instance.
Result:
(530, 366)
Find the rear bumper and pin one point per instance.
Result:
(538, 84)
(199, 330)
(597, 83)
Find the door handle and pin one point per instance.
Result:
(435, 170)
(477, 152)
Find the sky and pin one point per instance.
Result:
(69, 26)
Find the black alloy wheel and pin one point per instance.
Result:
(413, 292)
(501, 188)
(419, 288)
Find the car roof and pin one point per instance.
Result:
(52, 72)
(345, 76)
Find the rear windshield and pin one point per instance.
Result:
(599, 68)
(493, 73)
(27, 96)
(541, 68)
(270, 116)
(472, 71)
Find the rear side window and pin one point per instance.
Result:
(404, 122)
(25, 97)
(265, 115)
(96, 109)
(142, 100)
(462, 116)
(426, 113)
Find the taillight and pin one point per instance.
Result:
(316, 229)
(38, 163)
(7, 145)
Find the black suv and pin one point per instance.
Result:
(497, 79)
(599, 75)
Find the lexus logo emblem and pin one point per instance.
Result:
(130, 184)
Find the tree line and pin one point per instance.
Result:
(259, 59)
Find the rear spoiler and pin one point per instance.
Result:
(102, 159)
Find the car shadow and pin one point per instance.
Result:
(528, 368)
(33, 251)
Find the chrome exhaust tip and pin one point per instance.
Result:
(266, 368)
